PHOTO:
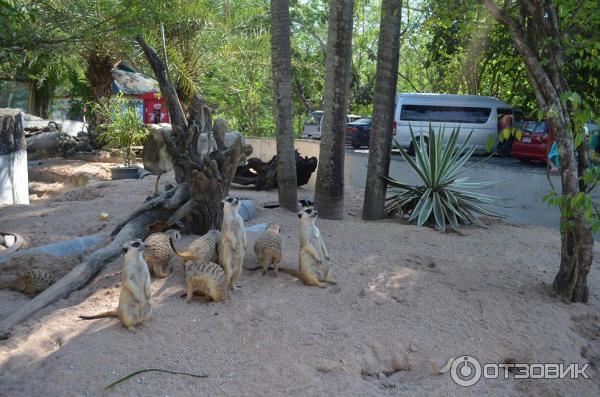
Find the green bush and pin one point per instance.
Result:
(442, 197)
(125, 129)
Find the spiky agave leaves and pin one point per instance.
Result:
(443, 197)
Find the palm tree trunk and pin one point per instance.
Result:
(329, 190)
(380, 144)
(282, 97)
(99, 74)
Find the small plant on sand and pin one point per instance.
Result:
(125, 129)
(442, 197)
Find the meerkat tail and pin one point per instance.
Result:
(183, 255)
(112, 313)
(156, 185)
(308, 280)
(162, 274)
(293, 272)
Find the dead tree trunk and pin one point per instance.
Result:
(209, 176)
(202, 182)
(263, 175)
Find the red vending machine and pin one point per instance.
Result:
(155, 109)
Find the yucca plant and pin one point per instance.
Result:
(443, 198)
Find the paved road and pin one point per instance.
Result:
(520, 189)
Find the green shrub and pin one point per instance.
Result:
(125, 129)
(442, 198)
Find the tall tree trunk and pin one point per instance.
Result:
(99, 74)
(282, 98)
(577, 241)
(42, 94)
(329, 190)
(380, 144)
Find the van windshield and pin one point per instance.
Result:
(447, 114)
(313, 118)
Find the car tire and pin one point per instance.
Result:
(411, 148)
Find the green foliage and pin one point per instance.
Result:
(568, 205)
(125, 129)
(443, 198)
(220, 48)
(580, 112)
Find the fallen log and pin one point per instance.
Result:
(263, 175)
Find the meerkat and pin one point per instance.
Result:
(134, 302)
(31, 282)
(206, 279)
(204, 249)
(158, 252)
(313, 257)
(268, 248)
(233, 241)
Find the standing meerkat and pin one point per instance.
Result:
(158, 252)
(207, 279)
(268, 248)
(313, 257)
(31, 282)
(233, 241)
(204, 249)
(134, 302)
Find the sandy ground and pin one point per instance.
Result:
(408, 299)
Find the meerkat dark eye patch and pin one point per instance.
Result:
(229, 199)
(308, 210)
(136, 244)
(124, 250)
(299, 214)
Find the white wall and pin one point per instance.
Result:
(14, 180)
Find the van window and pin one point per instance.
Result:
(313, 118)
(448, 114)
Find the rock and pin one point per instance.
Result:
(73, 128)
(9, 240)
(156, 158)
(43, 145)
(51, 141)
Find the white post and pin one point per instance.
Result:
(14, 180)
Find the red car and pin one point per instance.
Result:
(535, 142)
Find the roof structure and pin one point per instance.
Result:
(128, 81)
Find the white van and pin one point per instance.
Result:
(314, 124)
(479, 114)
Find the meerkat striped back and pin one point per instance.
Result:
(35, 281)
(207, 269)
(206, 247)
(268, 242)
